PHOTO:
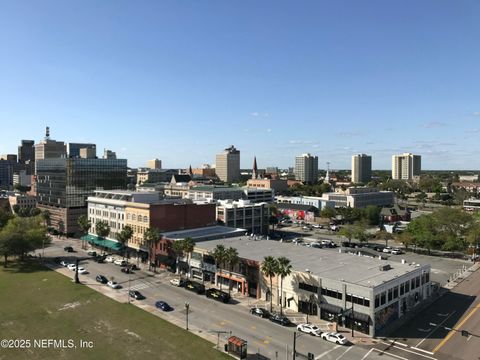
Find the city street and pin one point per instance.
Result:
(216, 321)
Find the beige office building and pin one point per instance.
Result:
(228, 165)
(361, 168)
(406, 166)
(154, 164)
(306, 168)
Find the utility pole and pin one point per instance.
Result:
(353, 317)
(187, 307)
(294, 345)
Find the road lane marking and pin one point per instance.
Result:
(350, 348)
(450, 334)
(383, 352)
(438, 326)
(403, 349)
(326, 352)
(399, 343)
(366, 355)
(418, 349)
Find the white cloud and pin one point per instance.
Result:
(434, 124)
(254, 114)
(269, 130)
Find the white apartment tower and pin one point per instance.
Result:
(228, 165)
(406, 166)
(361, 168)
(306, 168)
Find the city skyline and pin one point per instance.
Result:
(186, 81)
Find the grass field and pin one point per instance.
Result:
(37, 303)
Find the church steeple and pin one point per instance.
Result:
(255, 169)
(190, 171)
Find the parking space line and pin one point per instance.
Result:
(366, 355)
(326, 352)
(349, 348)
(388, 354)
(418, 349)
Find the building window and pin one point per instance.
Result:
(145, 219)
(377, 301)
(402, 289)
(382, 298)
(417, 282)
(407, 286)
(395, 292)
(134, 218)
(390, 295)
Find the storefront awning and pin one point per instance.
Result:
(106, 243)
(358, 316)
(334, 309)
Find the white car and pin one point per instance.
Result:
(64, 263)
(114, 284)
(82, 270)
(335, 338)
(175, 282)
(396, 251)
(71, 267)
(120, 262)
(387, 250)
(311, 329)
(110, 259)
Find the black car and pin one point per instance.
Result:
(195, 287)
(68, 249)
(127, 270)
(280, 319)
(259, 312)
(217, 295)
(99, 259)
(136, 295)
(92, 253)
(133, 267)
(101, 279)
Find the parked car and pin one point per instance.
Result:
(217, 295)
(177, 282)
(317, 226)
(120, 262)
(388, 250)
(335, 338)
(136, 295)
(195, 287)
(99, 259)
(101, 279)
(280, 319)
(92, 253)
(328, 243)
(263, 313)
(396, 251)
(82, 270)
(110, 259)
(311, 329)
(64, 263)
(114, 284)
(133, 267)
(127, 270)
(71, 267)
(68, 249)
(316, 245)
(163, 306)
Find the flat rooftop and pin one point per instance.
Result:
(205, 233)
(327, 264)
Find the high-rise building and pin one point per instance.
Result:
(109, 154)
(73, 149)
(26, 152)
(406, 166)
(361, 168)
(154, 164)
(49, 149)
(306, 168)
(63, 185)
(228, 165)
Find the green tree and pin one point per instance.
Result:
(45, 214)
(4, 218)
(124, 237)
(347, 231)
(177, 248)
(103, 230)
(328, 212)
(232, 259)
(424, 232)
(372, 214)
(384, 235)
(84, 224)
(269, 269)
(151, 237)
(283, 270)
(219, 254)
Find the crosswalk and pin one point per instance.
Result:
(143, 284)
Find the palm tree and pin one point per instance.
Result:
(188, 246)
(124, 237)
(46, 217)
(102, 229)
(177, 248)
(84, 224)
(231, 257)
(219, 256)
(269, 268)
(284, 269)
(151, 237)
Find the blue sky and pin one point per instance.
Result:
(182, 80)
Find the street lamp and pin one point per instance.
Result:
(187, 307)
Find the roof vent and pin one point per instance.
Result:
(385, 267)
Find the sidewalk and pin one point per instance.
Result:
(465, 274)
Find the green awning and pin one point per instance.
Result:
(95, 240)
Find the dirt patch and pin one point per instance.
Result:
(69, 306)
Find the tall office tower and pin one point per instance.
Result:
(154, 164)
(63, 185)
(109, 154)
(228, 165)
(306, 168)
(49, 149)
(406, 166)
(361, 168)
(26, 151)
(73, 149)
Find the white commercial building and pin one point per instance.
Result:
(358, 197)
(406, 166)
(254, 217)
